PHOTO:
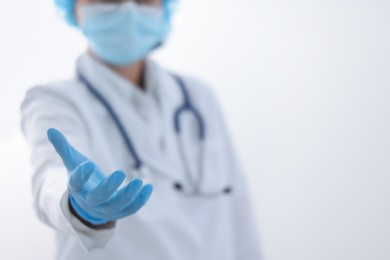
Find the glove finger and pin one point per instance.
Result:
(105, 189)
(79, 176)
(137, 202)
(124, 196)
(69, 155)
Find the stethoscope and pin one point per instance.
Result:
(140, 167)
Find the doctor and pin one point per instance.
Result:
(132, 161)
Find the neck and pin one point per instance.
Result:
(133, 72)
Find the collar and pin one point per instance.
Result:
(101, 76)
(122, 95)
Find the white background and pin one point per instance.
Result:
(305, 85)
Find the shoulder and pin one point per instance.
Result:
(198, 87)
(201, 93)
(55, 96)
(60, 91)
(52, 102)
(206, 101)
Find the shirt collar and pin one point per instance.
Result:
(119, 92)
(109, 83)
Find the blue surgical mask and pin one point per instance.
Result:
(121, 34)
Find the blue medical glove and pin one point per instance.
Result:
(93, 196)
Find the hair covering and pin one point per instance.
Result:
(66, 9)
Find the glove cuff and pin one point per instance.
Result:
(84, 215)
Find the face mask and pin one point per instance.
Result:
(121, 34)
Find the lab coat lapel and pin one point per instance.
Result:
(121, 95)
(169, 99)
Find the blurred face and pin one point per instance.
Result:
(122, 32)
(154, 3)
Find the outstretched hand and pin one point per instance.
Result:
(95, 197)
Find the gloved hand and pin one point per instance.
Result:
(93, 196)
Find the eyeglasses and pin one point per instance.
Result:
(142, 2)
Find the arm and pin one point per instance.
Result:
(245, 226)
(40, 110)
(247, 244)
(92, 201)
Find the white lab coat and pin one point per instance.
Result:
(171, 226)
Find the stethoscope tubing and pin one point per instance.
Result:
(139, 165)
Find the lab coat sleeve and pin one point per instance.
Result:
(41, 109)
(245, 226)
(247, 246)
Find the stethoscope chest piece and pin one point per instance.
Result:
(179, 187)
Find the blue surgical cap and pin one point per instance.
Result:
(66, 9)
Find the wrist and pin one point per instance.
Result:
(84, 217)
